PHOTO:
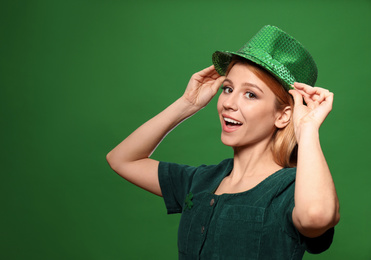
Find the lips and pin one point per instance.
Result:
(230, 124)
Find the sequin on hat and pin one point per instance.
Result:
(278, 53)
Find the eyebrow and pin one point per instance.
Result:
(245, 84)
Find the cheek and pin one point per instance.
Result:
(260, 115)
(220, 103)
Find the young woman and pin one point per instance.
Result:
(276, 197)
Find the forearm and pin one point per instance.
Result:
(130, 159)
(143, 141)
(316, 201)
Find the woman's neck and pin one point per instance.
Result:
(251, 166)
(253, 160)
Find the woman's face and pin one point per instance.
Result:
(246, 108)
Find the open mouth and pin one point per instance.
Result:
(230, 122)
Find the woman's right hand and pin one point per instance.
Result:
(202, 87)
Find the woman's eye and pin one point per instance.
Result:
(250, 95)
(227, 90)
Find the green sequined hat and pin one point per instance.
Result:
(278, 53)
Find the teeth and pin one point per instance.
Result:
(232, 121)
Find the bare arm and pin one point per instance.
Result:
(130, 159)
(316, 202)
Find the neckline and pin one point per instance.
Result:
(228, 170)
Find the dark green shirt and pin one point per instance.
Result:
(255, 224)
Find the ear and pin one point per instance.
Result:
(283, 117)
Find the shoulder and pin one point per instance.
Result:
(225, 165)
(175, 170)
(283, 199)
(199, 170)
(287, 173)
(192, 177)
(284, 180)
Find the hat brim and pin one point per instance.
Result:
(222, 59)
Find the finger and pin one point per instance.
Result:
(207, 71)
(309, 89)
(300, 85)
(319, 94)
(216, 85)
(323, 93)
(304, 94)
(319, 98)
(205, 75)
(312, 104)
(326, 106)
(305, 87)
(329, 99)
(298, 98)
(312, 95)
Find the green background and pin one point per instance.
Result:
(77, 77)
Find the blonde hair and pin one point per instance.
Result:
(283, 145)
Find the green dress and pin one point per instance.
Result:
(255, 224)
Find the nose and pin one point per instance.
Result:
(230, 102)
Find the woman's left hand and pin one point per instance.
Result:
(318, 106)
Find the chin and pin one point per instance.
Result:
(229, 142)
